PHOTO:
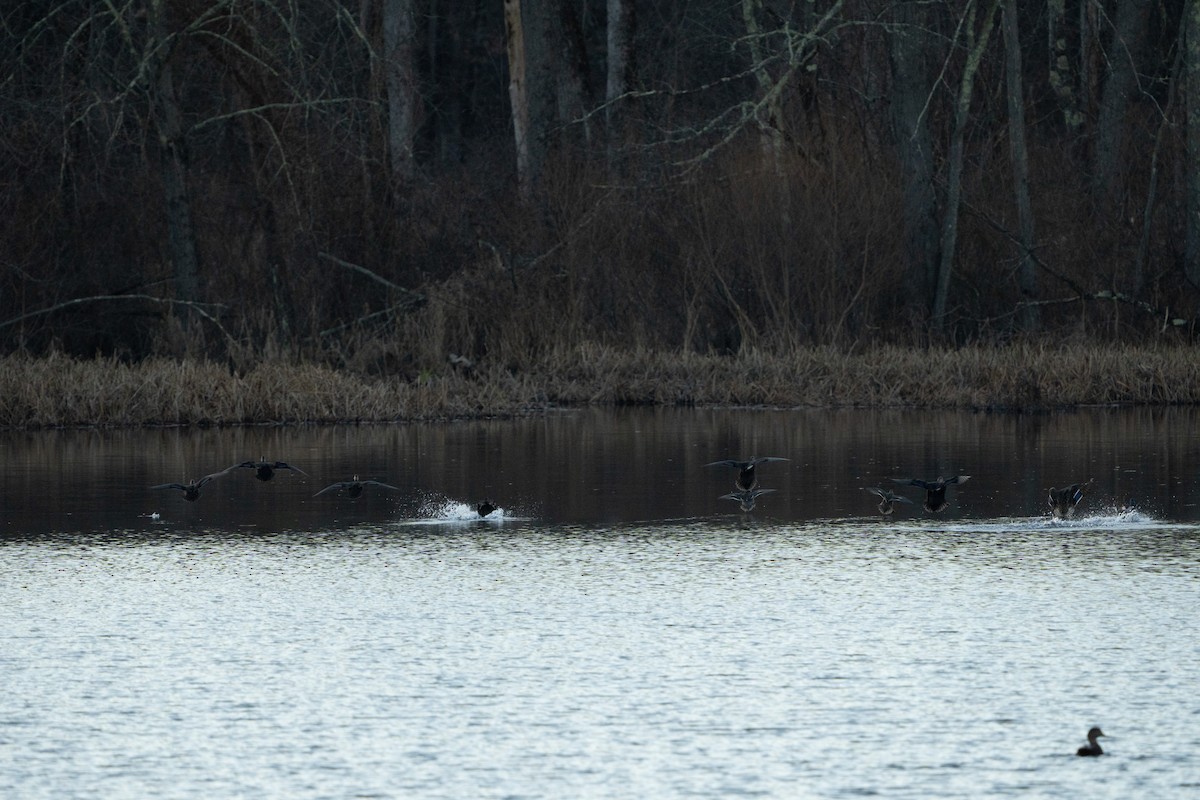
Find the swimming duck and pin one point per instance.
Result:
(887, 498)
(746, 479)
(935, 491)
(265, 470)
(191, 489)
(485, 508)
(1092, 748)
(1062, 502)
(354, 488)
(746, 497)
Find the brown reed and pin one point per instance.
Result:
(59, 391)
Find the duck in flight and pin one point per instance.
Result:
(746, 497)
(485, 508)
(746, 480)
(1062, 502)
(265, 470)
(354, 488)
(935, 491)
(1092, 748)
(887, 499)
(191, 489)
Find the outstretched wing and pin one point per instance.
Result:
(331, 487)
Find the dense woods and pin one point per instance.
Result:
(412, 186)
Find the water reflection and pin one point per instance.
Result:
(601, 467)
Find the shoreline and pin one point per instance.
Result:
(58, 391)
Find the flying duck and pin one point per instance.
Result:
(935, 491)
(746, 479)
(1062, 502)
(354, 488)
(191, 489)
(265, 470)
(1092, 748)
(887, 498)
(746, 497)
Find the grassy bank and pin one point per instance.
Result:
(61, 391)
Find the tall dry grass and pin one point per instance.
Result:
(61, 391)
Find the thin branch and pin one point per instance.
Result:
(372, 275)
(198, 307)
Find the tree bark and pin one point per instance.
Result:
(399, 40)
(911, 89)
(976, 43)
(620, 26)
(1118, 91)
(518, 93)
(1062, 76)
(1191, 35)
(572, 86)
(173, 156)
(1026, 274)
(532, 85)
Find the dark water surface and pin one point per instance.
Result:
(616, 630)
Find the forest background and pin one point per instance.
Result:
(419, 190)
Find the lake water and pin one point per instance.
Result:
(616, 630)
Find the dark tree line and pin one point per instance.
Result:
(390, 182)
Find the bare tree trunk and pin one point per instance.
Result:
(621, 24)
(168, 122)
(1027, 274)
(399, 39)
(531, 87)
(911, 89)
(1118, 91)
(518, 93)
(1062, 77)
(1191, 36)
(976, 44)
(572, 86)
(771, 128)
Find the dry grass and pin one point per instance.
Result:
(61, 391)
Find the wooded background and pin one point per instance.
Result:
(390, 184)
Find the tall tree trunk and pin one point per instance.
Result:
(399, 40)
(976, 44)
(572, 85)
(173, 155)
(771, 128)
(1062, 76)
(1191, 35)
(518, 93)
(1118, 91)
(1026, 275)
(911, 89)
(532, 85)
(621, 23)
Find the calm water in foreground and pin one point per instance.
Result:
(615, 631)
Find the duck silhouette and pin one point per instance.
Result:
(746, 480)
(265, 470)
(191, 489)
(1062, 502)
(1092, 748)
(887, 499)
(355, 487)
(746, 497)
(485, 508)
(935, 491)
